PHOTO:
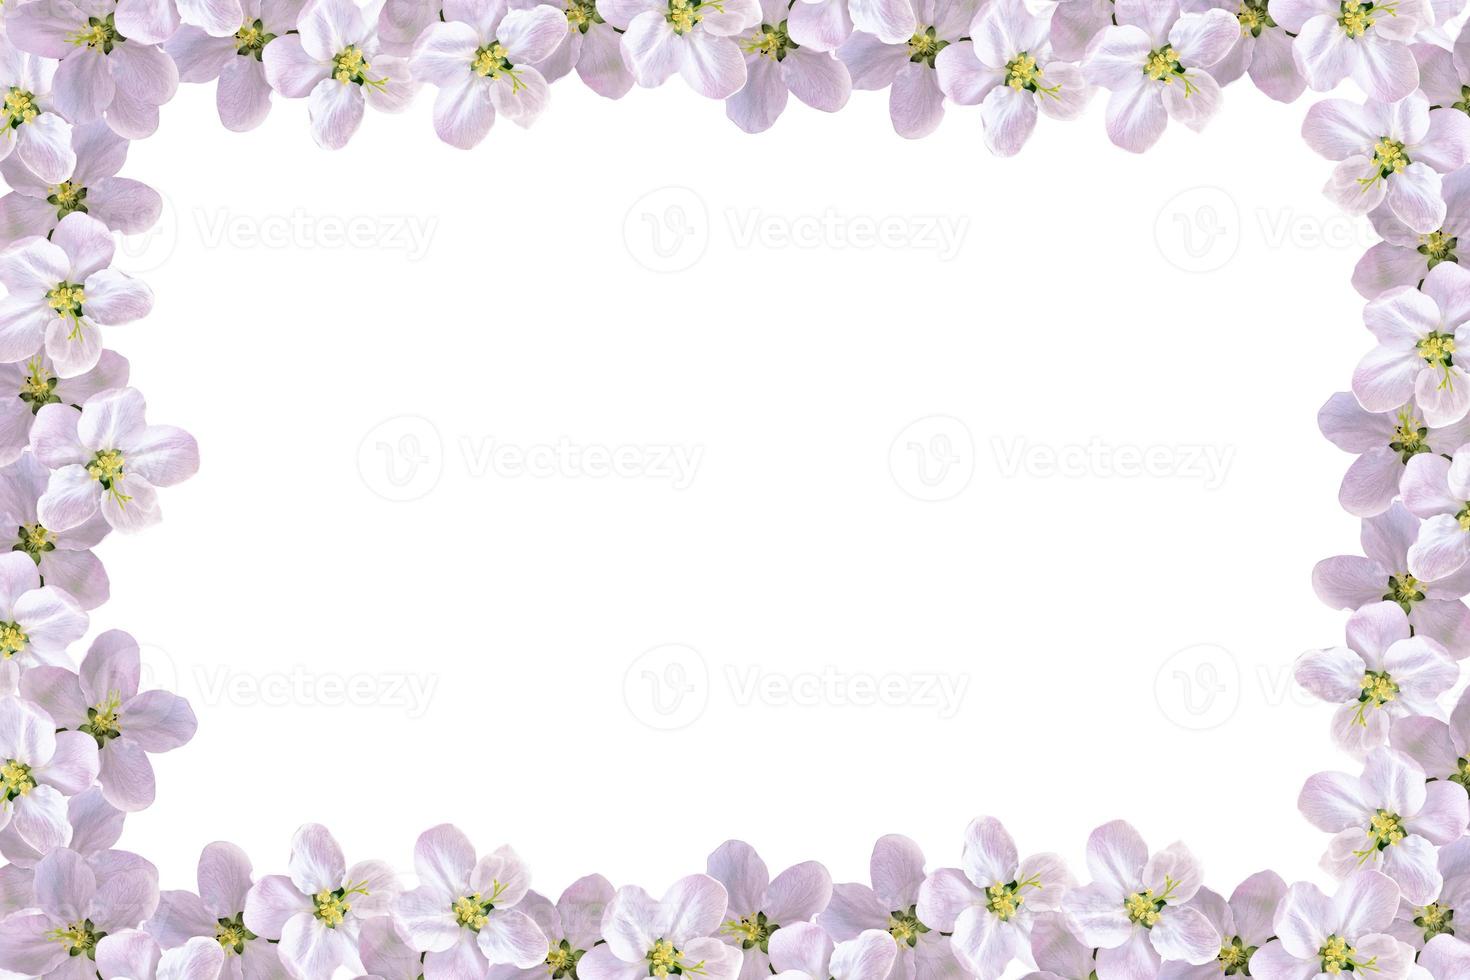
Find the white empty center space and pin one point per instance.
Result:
(480, 430)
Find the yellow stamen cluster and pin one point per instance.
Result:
(1357, 17)
(350, 67)
(1338, 957)
(684, 14)
(331, 907)
(905, 927)
(19, 107)
(923, 45)
(67, 197)
(470, 912)
(1384, 831)
(1143, 908)
(232, 936)
(13, 640)
(1235, 957)
(66, 299)
(582, 14)
(100, 33)
(1254, 17)
(15, 779)
(1160, 65)
(1389, 156)
(1378, 689)
(106, 467)
(79, 938)
(1435, 920)
(1022, 71)
(771, 42)
(1437, 349)
(664, 959)
(1438, 247)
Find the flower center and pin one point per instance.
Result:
(1357, 17)
(106, 467)
(684, 14)
(67, 197)
(752, 931)
(1403, 589)
(561, 960)
(1437, 349)
(1162, 64)
(1235, 957)
(1384, 830)
(232, 935)
(15, 780)
(1435, 920)
(925, 46)
(771, 42)
(1338, 957)
(39, 387)
(1378, 688)
(491, 61)
(582, 14)
(350, 67)
(1254, 17)
(664, 960)
(102, 722)
(1143, 908)
(905, 927)
(79, 938)
(13, 640)
(100, 33)
(251, 39)
(34, 540)
(1389, 157)
(332, 906)
(1438, 247)
(20, 107)
(1005, 900)
(1408, 437)
(471, 911)
(1022, 72)
(66, 298)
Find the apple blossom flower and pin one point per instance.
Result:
(1433, 609)
(29, 128)
(1432, 488)
(1387, 819)
(1059, 954)
(775, 65)
(39, 768)
(590, 45)
(37, 622)
(989, 905)
(95, 825)
(334, 60)
(61, 291)
(896, 869)
(672, 935)
(1263, 49)
(463, 913)
(571, 927)
(906, 67)
(35, 206)
(1418, 333)
(1008, 70)
(63, 559)
(103, 701)
(317, 911)
(482, 58)
(1441, 749)
(135, 955)
(757, 905)
(77, 902)
(217, 914)
(1245, 923)
(1405, 256)
(803, 951)
(1386, 441)
(108, 459)
(1153, 61)
(112, 66)
(242, 94)
(1346, 933)
(36, 384)
(1382, 674)
(1366, 40)
(696, 38)
(1389, 153)
(1135, 912)
(1417, 925)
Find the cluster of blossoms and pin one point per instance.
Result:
(80, 78)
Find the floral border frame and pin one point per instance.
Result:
(80, 79)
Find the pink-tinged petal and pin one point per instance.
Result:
(32, 267)
(464, 111)
(1443, 548)
(915, 103)
(243, 96)
(511, 937)
(600, 63)
(1411, 865)
(757, 106)
(128, 954)
(601, 963)
(1339, 129)
(144, 72)
(1185, 934)
(71, 499)
(820, 80)
(224, 878)
(1385, 71)
(65, 885)
(113, 298)
(336, 110)
(799, 893)
(1445, 813)
(693, 906)
(1009, 118)
(1333, 802)
(820, 26)
(272, 901)
(652, 49)
(1415, 197)
(1334, 675)
(290, 70)
(44, 145)
(962, 77)
(1115, 58)
(84, 86)
(737, 866)
(1136, 117)
(1116, 855)
(159, 721)
(712, 66)
(127, 776)
(944, 896)
(1371, 482)
(124, 205)
(74, 764)
(316, 860)
(890, 21)
(311, 950)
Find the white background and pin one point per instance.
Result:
(1192, 301)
